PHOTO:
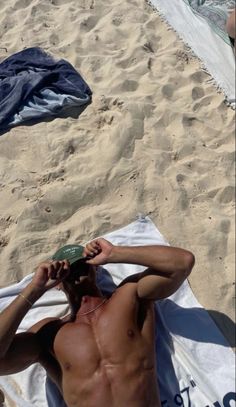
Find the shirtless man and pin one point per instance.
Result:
(103, 353)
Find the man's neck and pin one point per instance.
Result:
(90, 290)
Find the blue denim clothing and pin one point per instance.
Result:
(33, 85)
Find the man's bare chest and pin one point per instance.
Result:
(92, 342)
(89, 335)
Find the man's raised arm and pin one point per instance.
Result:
(18, 351)
(167, 267)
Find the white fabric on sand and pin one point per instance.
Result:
(216, 55)
(195, 363)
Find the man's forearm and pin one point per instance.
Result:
(162, 259)
(11, 317)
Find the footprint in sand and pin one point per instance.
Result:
(197, 93)
(199, 76)
(129, 85)
(168, 91)
(22, 4)
(225, 226)
(188, 121)
(180, 178)
(205, 101)
(183, 200)
(54, 39)
(227, 195)
(88, 23)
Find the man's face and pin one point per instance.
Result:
(80, 274)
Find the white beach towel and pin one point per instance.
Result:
(195, 363)
(196, 23)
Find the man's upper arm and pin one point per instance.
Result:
(154, 285)
(167, 268)
(23, 352)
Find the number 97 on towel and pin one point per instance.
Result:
(180, 399)
(183, 399)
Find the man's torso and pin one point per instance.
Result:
(107, 357)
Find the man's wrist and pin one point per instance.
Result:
(117, 254)
(32, 293)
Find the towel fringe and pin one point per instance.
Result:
(219, 87)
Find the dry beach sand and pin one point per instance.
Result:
(158, 139)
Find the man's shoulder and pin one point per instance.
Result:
(125, 299)
(46, 330)
(133, 278)
(44, 322)
(125, 289)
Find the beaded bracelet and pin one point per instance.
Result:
(26, 299)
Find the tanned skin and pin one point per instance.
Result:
(105, 358)
(231, 26)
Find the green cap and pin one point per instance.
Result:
(70, 252)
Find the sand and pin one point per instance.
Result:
(158, 139)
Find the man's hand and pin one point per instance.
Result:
(99, 250)
(50, 274)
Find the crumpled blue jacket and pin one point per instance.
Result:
(33, 85)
